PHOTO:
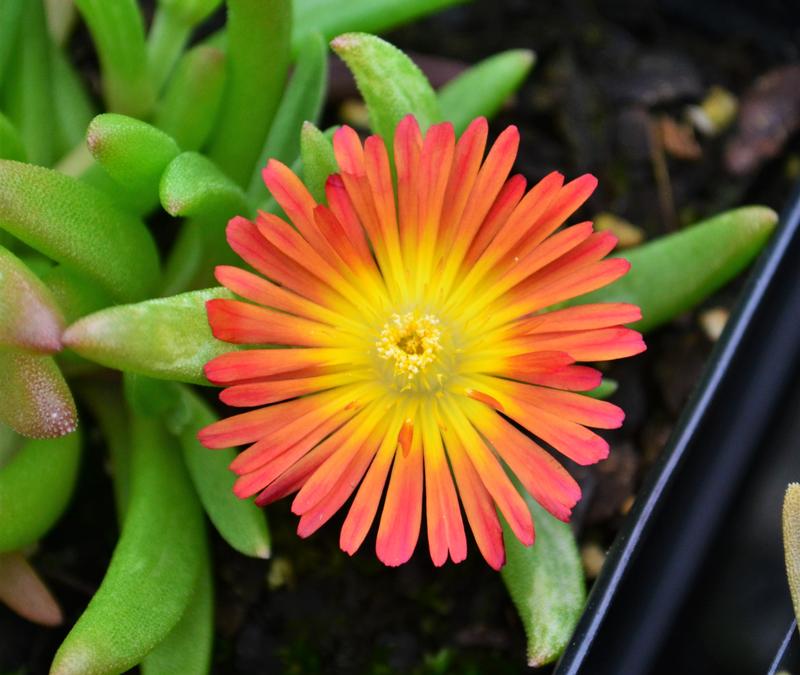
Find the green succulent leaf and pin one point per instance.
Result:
(672, 274)
(192, 185)
(188, 647)
(169, 33)
(319, 162)
(10, 18)
(301, 102)
(331, 17)
(192, 98)
(30, 318)
(154, 569)
(118, 34)
(166, 338)
(133, 153)
(35, 400)
(27, 93)
(11, 146)
(35, 488)
(391, 84)
(79, 226)
(74, 293)
(605, 389)
(240, 522)
(258, 34)
(545, 582)
(70, 105)
(484, 88)
(22, 590)
(791, 541)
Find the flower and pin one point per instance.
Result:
(406, 330)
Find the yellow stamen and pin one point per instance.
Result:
(412, 341)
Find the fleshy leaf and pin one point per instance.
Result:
(545, 582)
(118, 34)
(70, 105)
(133, 153)
(23, 591)
(75, 293)
(258, 34)
(78, 226)
(301, 102)
(35, 488)
(391, 84)
(11, 146)
(170, 31)
(331, 17)
(318, 160)
(166, 338)
(10, 18)
(191, 100)
(192, 185)
(35, 400)
(672, 274)
(188, 647)
(28, 101)
(482, 89)
(791, 541)
(30, 318)
(240, 522)
(154, 569)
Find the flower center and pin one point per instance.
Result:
(412, 341)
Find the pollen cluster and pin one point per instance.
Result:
(412, 341)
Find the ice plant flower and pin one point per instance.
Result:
(404, 328)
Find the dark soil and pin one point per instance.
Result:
(608, 74)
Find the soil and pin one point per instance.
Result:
(610, 95)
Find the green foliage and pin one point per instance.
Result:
(35, 488)
(154, 569)
(133, 153)
(41, 405)
(672, 274)
(78, 226)
(545, 582)
(316, 153)
(482, 89)
(192, 185)
(258, 33)
(791, 541)
(191, 100)
(118, 33)
(165, 338)
(301, 103)
(390, 82)
(30, 319)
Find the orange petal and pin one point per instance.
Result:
(264, 292)
(407, 149)
(263, 393)
(443, 518)
(402, 511)
(349, 479)
(342, 208)
(466, 164)
(541, 475)
(255, 424)
(255, 363)
(365, 505)
(582, 317)
(505, 495)
(478, 504)
(296, 201)
(497, 217)
(242, 323)
(602, 344)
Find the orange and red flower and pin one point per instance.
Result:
(406, 326)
